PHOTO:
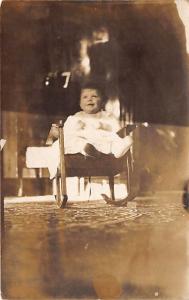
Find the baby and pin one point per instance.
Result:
(92, 131)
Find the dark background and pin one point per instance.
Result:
(145, 55)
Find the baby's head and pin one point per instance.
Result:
(91, 99)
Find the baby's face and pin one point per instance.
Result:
(90, 101)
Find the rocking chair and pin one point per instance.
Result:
(72, 165)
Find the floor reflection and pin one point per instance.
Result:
(92, 250)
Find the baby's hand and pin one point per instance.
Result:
(80, 125)
(97, 125)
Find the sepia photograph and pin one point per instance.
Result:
(94, 149)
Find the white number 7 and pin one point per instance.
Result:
(67, 75)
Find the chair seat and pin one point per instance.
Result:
(80, 165)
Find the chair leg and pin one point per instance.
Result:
(132, 192)
(61, 199)
(57, 182)
(63, 188)
(128, 179)
(132, 180)
(111, 184)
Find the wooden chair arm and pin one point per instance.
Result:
(126, 130)
(122, 132)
